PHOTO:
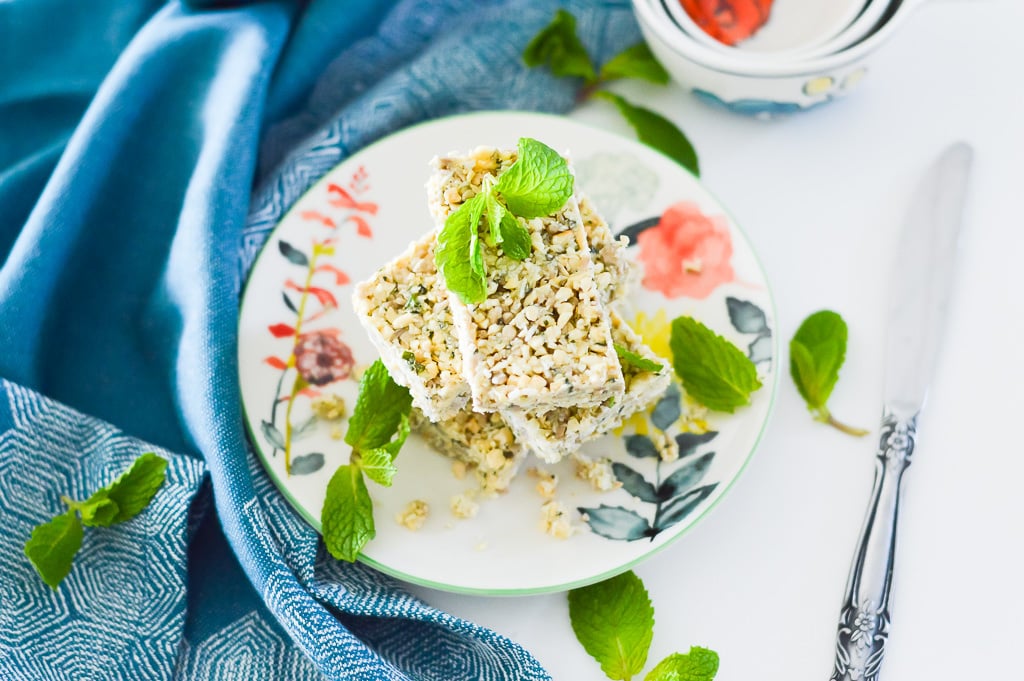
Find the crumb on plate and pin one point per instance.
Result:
(464, 505)
(555, 520)
(329, 407)
(598, 472)
(547, 482)
(413, 515)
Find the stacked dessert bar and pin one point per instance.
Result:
(531, 368)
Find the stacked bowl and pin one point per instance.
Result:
(806, 53)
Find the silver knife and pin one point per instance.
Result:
(919, 296)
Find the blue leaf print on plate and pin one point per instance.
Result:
(636, 229)
(641, 447)
(747, 317)
(760, 349)
(292, 254)
(272, 434)
(682, 506)
(307, 463)
(304, 428)
(634, 483)
(685, 476)
(668, 409)
(615, 522)
(688, 442)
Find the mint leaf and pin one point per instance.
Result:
(396, 443)
(614, 621)
(816, 353)
(713, 370)
(475, 206)
(378, 466)
(538, 183)
(347, 516)
(99, 510)
(134, 489)
(379, 409)
(657, 132)
(516, 239)
(495, 214)
(635, 62)
(700, 664)
(53, 545)
(456, 254)
(635, 360)
(476, 258)
(820, 343)
(559, 48)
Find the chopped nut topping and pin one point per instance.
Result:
(483, 442)
(410, 324)
(556, 433)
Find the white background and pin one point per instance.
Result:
(822, 196)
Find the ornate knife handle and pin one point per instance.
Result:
(864, 618)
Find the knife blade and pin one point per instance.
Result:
(919, 295)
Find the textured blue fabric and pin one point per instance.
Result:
(131, 136)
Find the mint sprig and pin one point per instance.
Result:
(614, 621)
(713, 371)
(816, 353)
(53, 545)
(537, 184)
(558, 47)
(627, 356)
(376, 432)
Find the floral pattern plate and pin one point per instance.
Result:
(299, 341)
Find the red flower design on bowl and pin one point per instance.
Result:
(687, 253)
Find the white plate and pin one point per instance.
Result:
(370, 207)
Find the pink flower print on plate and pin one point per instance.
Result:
(687, 253)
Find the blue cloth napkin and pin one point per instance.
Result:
(131, 137)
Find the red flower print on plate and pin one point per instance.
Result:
(322, 358)
(687, 253)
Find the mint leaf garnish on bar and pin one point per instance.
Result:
(537, 184)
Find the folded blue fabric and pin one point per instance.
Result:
(131, 135)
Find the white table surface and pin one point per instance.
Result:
(822, 196)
